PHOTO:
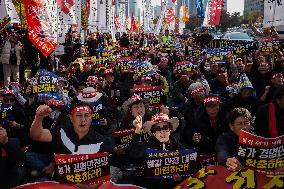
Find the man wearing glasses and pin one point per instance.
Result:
(12, 116)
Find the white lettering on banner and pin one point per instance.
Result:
(273, 13)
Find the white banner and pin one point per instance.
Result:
(10, 8)
(3, 12)
(68, 14)
(207, 15)
(273, 13)
(93, 16)
(102, 14)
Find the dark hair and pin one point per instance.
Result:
(239, 112)
(279, 93)
(79, 104)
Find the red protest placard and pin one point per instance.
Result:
(261, 154)
(87, 168)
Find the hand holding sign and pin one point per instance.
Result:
(43, 111)
(196, 137)
(138, 124)
(233, 164)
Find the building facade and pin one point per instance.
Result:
(253, 6)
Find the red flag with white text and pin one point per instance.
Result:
(39, 26)
(133, 27)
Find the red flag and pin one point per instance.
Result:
(133, 27)
(215, 12)
(39, 26)
(218, 12)
(88, 7)
(170, 17)
(117, 23)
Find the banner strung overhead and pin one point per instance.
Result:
(273, 13)
(39, 26)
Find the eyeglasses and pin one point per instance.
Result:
(8, 99)
(162, 128)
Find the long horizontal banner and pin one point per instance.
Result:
(214, 177)
(56, 185)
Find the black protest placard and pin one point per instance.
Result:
(153, 94)
(162, 164)
(123, 138)
(86, 168)
(262, 154)
(217, 55)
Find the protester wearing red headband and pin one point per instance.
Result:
(79, 139)
(208, 124)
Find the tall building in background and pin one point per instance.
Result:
(253, 6)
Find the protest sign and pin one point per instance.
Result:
(198, 52)
(143, 68)
(273, 13)
(87, 168)
(56, 185)
(97, 114)
(153, 94)
(261, 154)
(214, 177)
(217, 55)
(45, 84)
(163, 164)
(45, 185)
(182, 67)
(125, 64)
(111, 185)
(123, 138)
(269, 45)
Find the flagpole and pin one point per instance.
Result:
(21, 15)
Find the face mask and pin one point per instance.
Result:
(54, 114)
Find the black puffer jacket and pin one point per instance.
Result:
(137, 150)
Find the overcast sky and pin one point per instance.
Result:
(235, 6)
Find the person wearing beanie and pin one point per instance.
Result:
(245, 98)
(269, 121)
(209, 123)
(196, 93)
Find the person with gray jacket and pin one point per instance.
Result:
(10, 58)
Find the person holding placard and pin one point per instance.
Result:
(159, 128)
(227, 143)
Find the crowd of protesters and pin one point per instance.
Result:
(204, 108)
